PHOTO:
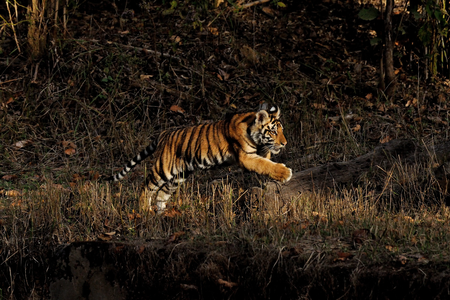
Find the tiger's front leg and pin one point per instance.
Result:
(264, 166)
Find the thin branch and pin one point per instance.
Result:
(254, 3)
(138, 48)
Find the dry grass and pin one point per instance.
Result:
(395, 223)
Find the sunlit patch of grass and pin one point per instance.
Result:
(392, 220)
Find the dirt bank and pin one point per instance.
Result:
(156, 269)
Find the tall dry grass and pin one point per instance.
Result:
(396, 220)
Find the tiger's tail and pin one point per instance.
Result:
(134, 162)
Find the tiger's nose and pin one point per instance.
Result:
(284, 143)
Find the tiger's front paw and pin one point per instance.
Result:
(281, 173)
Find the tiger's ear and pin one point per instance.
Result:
(262, 117)
(275, 111)
(263, 106)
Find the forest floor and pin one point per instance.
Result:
(120, 73)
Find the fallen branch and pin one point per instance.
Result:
(254, 3)
(333, 175)
(138, 49)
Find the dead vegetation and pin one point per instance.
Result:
(120, 74)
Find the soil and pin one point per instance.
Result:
(221, 270)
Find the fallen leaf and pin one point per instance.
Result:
(385, 139)
(318, 105)
(339, 223)
(175, 38)
(391, 248)
(110, 233)
(408, 219)
(356, 128)
(402, 259)
(342, 256)
(119, 248)
(9, 177)
(213, 30)
(104, 237)
(412, 102)
(227, 284)
(171, 213)
(94, 175)
(361, 235)
(140, 249)
(423, 260)
(16, 204)
(144, 77)
(250, 54)
(224, 74)
(177, 109)
(381, 107)
(68, 144)
(21, 144)
(77, 177)
(174, 237)
(134, 216)
(268, 11)
(70, 151)
(304, 224)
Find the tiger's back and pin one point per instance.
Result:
(248, 139)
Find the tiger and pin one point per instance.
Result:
(247, 139)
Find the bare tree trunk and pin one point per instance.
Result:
(389, 50)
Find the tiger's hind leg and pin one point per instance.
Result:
(166, 192)
(148, 193)
(158, 194)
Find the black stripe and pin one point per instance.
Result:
(247, 118)
(209, 152)
(192, 142)
(179, 152)
(198, 154)
(249, 131)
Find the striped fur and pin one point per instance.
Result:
(248, 139)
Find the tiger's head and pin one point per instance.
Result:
(267, 131)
